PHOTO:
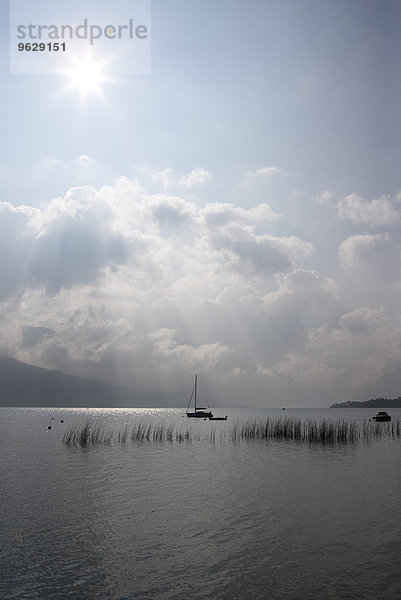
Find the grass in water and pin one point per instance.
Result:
(89, 434)
(310, 431)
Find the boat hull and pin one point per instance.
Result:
(382, 416)
(200, 414)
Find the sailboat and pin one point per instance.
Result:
(199, 411)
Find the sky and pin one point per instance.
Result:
(234, 213)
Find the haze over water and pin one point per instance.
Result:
(245, 520)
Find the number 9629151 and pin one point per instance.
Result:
(42, 47)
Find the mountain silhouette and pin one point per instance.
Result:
(26, 385)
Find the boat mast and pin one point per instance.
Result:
(196, 385)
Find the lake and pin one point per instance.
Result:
(208, 517)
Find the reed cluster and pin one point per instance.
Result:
(86, 435)
(92, 434)
(311, 431)
(323, 431)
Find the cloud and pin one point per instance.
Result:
(380, 212)
(172, 213)
(325, 198)
(67, 243)
(84, 161)
(163, 177)
(32, 335)
(266, 172)
(363, 320)
(303, 299)
(73, 239)
(168, 352)
(124, 272)
(222, 213)
(142, 288)
(369, 269)
(357, 352)
(258, 177)
(50, 166)
(232, 233)
(194, 178)
(15, 241)
(360, 247)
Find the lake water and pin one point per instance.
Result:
(208, 518)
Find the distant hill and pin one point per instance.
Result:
(26, 385)
(374, 403)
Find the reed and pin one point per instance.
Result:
(309, 431)
(123, 434)
(89, 434)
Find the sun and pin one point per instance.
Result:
(86, 76)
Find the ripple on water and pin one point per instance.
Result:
(194, 520)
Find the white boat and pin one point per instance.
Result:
(199, 412)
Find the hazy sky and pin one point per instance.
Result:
(235, 213)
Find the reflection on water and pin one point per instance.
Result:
(276, 520)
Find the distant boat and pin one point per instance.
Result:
(382, 416)
(199, 411)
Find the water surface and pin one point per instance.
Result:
(245, 520)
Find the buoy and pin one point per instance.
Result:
(62, 421)
(49, 427)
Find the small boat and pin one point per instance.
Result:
(199, 411)
(218, 418)
(382, 416)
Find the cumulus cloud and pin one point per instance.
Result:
(380, 212)
(363, 320)
(163, 177)
(125, 272)
(67, 243)
(222, 213)
(194, 178)
(232, 232)
(360, 247)
(143, 288)
(359, 351)
(303, 299)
